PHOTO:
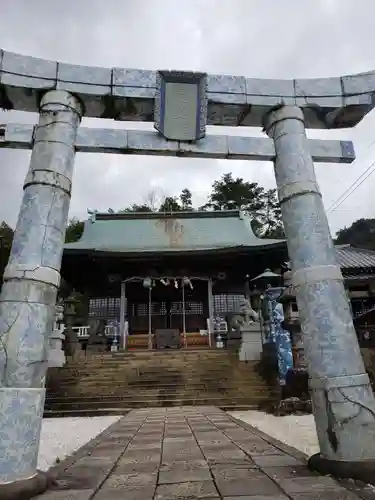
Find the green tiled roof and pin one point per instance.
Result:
(178, 232)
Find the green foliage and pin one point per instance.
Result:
(262, 205)
(231, 194)
(136, 208)
(6, 235)
(228, 193)
(186, 199)
(74, 230)
(170, 204)
(6, 238)
(360, 234)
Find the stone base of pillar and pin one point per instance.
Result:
(56, 355)
(363, 470)
(251, 347)
(27, 488)
(21, 411)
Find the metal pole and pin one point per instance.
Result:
(343, 402)
(183, 313)
(150, 317)
(210, 311)
(123, 314)
(31, 281)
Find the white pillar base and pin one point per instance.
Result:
(21, 413)
(251, 347)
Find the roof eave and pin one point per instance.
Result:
(203, 251)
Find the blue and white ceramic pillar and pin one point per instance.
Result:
(31, 281)
(343, 402)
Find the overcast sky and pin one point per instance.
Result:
(254, 38)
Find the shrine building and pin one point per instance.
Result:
(182, 271)
(167, 270)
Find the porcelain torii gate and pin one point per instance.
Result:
(181, 104)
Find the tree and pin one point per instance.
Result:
(6, 239)
(170, 204)
(156, 202)
(136, 208)
(186, 200)
(151, 203)
(268, 219)
(74, 230)
(360, 234)
(234, 194)
(230, 193)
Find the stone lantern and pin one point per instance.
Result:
(292, 324)
(56, 355)
(71, 343)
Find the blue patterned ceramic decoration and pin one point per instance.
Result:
(275, 333)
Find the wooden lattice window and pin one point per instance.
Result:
(97, 308)
(104, 307)
(226, 303)
(193, 308)
(141, 309)
(159, 308)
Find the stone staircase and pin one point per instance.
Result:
(113, 383)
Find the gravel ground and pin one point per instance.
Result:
(63, 436)
(297, 431)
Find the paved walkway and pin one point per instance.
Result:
(191, 453)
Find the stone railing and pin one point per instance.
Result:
(83, 332)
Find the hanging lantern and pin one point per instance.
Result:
(147, 283)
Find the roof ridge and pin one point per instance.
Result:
(188, 214)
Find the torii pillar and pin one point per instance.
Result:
(343, 402)
(28, 297)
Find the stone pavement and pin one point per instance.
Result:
(192, 453)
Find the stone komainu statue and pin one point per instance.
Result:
(238, 322)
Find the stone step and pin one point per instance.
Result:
(117, 388)
(95, 412)
(156, 402)
(142, 389)
(153, 357)
(154, 353)
(146, 359)
(54, 398)
(218, 361)
(168, 361)
(139, 371)
(150, 377)
(148, 369)
(223, 375)
(115, 393)
(114, 382)
(167, 366)
(130, 377)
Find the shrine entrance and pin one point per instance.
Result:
(167, 315)
(177, 303)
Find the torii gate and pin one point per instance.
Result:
(180, 104)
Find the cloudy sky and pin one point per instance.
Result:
(254, 38)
